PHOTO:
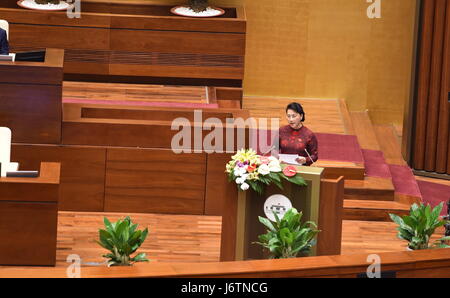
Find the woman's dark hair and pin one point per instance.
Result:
(295, 106)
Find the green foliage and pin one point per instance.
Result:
(47, 1)
(419, 226)
(198, 5)
(122, 239)
(288, 237)
(273, 177)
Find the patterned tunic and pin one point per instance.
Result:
(295, 141)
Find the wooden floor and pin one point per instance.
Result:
(186, 238)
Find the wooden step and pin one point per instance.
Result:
(389, 144)
(364, 130)
(371, 188)
(334, 169)
(373, 210)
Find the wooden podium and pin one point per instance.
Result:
(29, 217)
(30, 99)
(321, 201)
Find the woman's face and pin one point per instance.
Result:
(294, 119)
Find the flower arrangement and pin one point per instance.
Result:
(249, 169)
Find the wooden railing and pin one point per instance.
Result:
(426, 263)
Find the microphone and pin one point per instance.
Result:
(270, 149)
(312, 161)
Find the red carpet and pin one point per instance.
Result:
(339, 147)
(144, 103)
(404, 181)
(375, 164)
(433, 194)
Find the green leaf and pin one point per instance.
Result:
(267, 223)
(121, 238)
(140, 258)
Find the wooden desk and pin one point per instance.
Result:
(136, 41)
(29, 218)
(30, 98)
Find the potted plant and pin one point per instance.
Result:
(197, 8)
(122, 239)
(47, 1)
(288, 237)
(198, 5)
(418, 227)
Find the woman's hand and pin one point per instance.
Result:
(301, 160)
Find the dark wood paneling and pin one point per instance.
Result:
(217, 186)
(130, 39)
(227, 73)
(154, 181)
(426, 40)
(229, 97)
(59, 37)
(28, 217)
(435, 86)
(32, 112)
(430, 140)
(156, 115)
(145, 135)
(330, 217)
(179, 23)
(443, 139)
(28, 231)
(82, 172)
(17, 15)
(178, 42)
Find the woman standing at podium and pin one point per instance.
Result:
(295, 138)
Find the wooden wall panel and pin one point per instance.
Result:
(32, 112)
(330, 217)
(145, 135)
(132, 40)
(31, 240)
(82, 172)
(154, 181)
(218, 189)
(178, 42)
(59, 37)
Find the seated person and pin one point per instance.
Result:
(296, 138)
(4, 46)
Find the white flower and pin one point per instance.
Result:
(275, 166)
(264, 169)
(245, 186)
(241, 179)
(272, 158)
(239, 171)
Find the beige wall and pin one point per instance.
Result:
(330, 48)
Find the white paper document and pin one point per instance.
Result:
(289, 158)
(10, 57)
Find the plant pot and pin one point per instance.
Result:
(186, 11)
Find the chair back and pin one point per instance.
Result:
(5, 26)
